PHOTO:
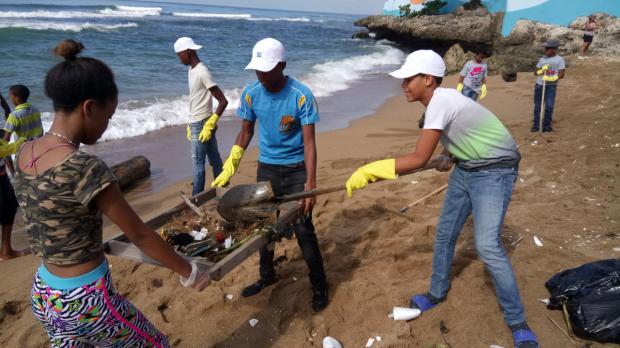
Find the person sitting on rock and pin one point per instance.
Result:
(473, 79)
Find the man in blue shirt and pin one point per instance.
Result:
(287, 112)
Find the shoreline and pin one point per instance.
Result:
(375, 261)
(170, 153)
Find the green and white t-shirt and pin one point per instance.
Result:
(472, 133)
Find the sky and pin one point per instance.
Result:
(333, 6)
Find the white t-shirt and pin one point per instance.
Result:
(200, 98)
(470, 132)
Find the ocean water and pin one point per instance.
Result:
(135, 38)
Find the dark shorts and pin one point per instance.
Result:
(587, 38)
(8, 201)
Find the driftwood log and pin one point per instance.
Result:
(132, 170)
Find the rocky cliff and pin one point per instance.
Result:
(457, 36)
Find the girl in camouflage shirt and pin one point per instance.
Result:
(63, 193)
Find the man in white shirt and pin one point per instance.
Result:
(202, 120)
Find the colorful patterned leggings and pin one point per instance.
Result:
(92, 315)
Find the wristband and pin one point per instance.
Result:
(187, 282)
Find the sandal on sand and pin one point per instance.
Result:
(523, 336)
(424, 302)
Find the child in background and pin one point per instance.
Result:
(550, 68)
(8, 201)
(25, 120)
(63, 193)
(473, 79)
(6, 161)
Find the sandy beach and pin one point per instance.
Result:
(567, 196)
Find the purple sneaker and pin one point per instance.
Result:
(424, 302)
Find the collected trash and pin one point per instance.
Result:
(198, 236)
(228, 242)
(253, 322)
(405, 313)
(537, 241)
(204, 236)
(330, 342)
(590, 298)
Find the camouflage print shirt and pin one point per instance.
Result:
(64, 225)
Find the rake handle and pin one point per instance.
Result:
(330, 189)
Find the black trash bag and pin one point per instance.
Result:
(591, 294)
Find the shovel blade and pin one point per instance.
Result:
(241, 204)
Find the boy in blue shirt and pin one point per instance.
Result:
(287, 113)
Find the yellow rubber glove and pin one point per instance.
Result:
(189, 133)
(7, 149)
(551, 78)
(384, 169)
(542, 70)
(230, 167)
(459, 88)
(207, 129)
(483, 91)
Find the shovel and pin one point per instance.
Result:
(247, 203)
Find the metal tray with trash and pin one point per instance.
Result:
(197, 232)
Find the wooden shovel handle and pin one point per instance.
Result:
(330, 189)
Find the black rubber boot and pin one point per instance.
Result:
(257, 287)
(320, 299)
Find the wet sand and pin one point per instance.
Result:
(567, 195)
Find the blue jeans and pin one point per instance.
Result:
(549, 103)
(470, 93)
(485, 194)
(200, 151)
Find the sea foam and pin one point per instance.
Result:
(74, 27)
(243, 16)
(111, 12)
(134, 118)
(212, 15)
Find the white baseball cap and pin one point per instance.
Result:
(421, 62)
(185, 43)
(267, 53)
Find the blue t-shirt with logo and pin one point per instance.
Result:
(280, 117)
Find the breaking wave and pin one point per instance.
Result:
(74, 27)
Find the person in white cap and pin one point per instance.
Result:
(202, 120)
(287, 112)
(487, 161)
